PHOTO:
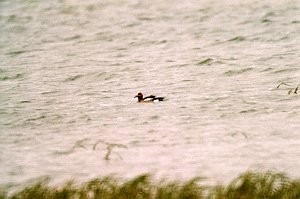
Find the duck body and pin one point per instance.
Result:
(150, 98)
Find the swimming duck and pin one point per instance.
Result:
(150, 98)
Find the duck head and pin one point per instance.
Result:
(139, 96)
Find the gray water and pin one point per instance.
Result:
(69, 71)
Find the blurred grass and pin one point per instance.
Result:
(249, 185)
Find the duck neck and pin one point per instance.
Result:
(140, 99)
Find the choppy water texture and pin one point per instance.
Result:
(70, 69)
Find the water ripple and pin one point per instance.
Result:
(70, 70)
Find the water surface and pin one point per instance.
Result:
(70, 69)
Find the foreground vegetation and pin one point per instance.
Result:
(248, 186)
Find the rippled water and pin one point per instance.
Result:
(69, 71)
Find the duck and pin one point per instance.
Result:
(150, 98)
